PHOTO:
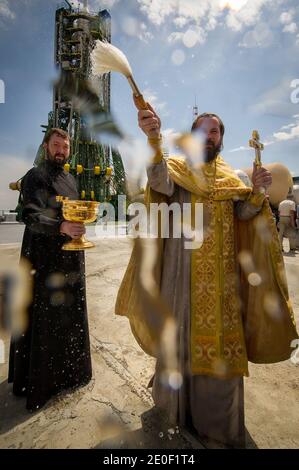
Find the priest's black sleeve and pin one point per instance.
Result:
(41, 213)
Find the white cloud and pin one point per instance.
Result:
(152, 98)
(277, 137)
(180, 21)
(233, 4)
(261, 36)
(268, 142)
(196, 10)
(290, 28)
(5, 10)
(286, 17)
(192, 37)
(275, 101)
(288, 126)
(158, 10)
(240, 149)
(189, 38)
(170, 132)
(246, 16)
(281, 136)
(196, 17)
(100, 4)
(144, 34)
(182, 12)
(170, 135)
(132, 27)
(204, 16)
(292, 134)
(175, 36)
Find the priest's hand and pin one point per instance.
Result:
(149, 122)
(261, 178)
(72, 229)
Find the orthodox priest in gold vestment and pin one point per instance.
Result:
(229, 297)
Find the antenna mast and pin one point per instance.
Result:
(195, 110)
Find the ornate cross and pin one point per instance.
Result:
(258, 146)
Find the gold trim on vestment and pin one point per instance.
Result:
(242, 326)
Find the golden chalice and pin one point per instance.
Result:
(79, 211)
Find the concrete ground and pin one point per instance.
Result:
(116, 409)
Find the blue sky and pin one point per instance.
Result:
(238, 57)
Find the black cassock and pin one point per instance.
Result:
(54, 352)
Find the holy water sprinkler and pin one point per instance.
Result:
(108, 58)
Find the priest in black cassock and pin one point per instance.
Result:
(54, 352)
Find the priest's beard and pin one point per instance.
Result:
(211, 151)
(58, 159)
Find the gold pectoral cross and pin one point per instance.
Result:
(258, 146)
